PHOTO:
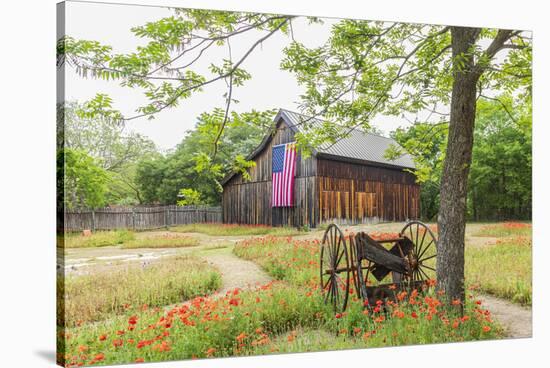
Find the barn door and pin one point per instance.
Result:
(365, 206)
(335, 206)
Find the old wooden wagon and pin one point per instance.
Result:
(358, 263)
(349, 182)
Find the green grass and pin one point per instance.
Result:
(503, 269)
(235, 230)
(164, 241)
(96, 239)
(506, 229)
(94, 297)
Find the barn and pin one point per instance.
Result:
(349, 182)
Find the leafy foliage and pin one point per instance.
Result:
(114, 149)
(192, 165)
(83, 181)
(500, 174)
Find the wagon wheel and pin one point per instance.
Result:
(357, 274)
(423, 255)
(335, 262)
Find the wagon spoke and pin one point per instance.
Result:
(424, 273)
(421, 246)
(429, 257)
(428, 267)
(417, 230)
(425, 249)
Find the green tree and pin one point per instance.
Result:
(189, 197)
(114, 148)
(500, 176)
(192, 165)
(84, 182)
(427, 143)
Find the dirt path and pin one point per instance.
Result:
(236, 272)
(515, 319)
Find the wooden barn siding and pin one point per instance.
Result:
(344, 188)
(249, 202)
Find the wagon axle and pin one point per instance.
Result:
(410, 259)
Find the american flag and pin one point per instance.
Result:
(283, 167)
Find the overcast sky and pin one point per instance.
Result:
(269, 87)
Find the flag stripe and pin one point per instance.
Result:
(283, 171)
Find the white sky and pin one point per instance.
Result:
(269, 87)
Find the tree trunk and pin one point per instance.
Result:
(452, 211)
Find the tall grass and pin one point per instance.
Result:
(506, 229)
(96, 239)
(94, 297)
(216, 229)
(503, 269)
(162, 241)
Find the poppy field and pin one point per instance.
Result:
(287, 314)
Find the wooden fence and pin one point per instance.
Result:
(138, 218)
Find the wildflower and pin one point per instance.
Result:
(117, 343)
(379, 319)
(366, 312)
(455, 324)
(456, 302)
(356, 330)
(120, 332)
(478, 302)
(139, 360)
(82, 348)
(241, 337)
(398, 313)
(99, 357)
(210, 352)
(486, 328)
(338, 315)
(132, 320)
(102, 337)
(259, 330)
(414, 315)
(234, 301)
(291, 337)
(164, 346)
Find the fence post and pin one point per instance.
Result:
(93, 221)
(133, 219)
(166, 216)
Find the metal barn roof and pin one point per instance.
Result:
(357, 146)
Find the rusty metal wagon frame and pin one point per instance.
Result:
(409, 258)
